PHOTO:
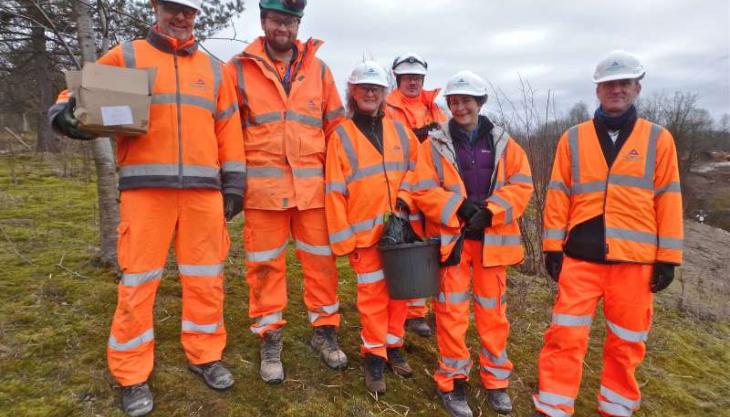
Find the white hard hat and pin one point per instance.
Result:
(195, 4)
(618, 65)
(466, 83)
(409, 63)
(368, 72)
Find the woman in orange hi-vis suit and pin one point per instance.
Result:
(472, 182)
(613, 231)
(368, 156)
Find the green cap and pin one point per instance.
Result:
(293, 7)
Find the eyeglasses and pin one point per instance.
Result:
(287, 23)
(175, 8)
(370, 88)
(409, 59)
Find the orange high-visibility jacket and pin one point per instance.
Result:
(639, 196)
(439, 191)
(194, 134)
(357, 196)
(284, 133)
(399, 106)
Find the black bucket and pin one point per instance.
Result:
(411, 269)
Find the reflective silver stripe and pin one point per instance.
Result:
(497, 360)
(349, 149)
(370, 345)
(630, 181)
(338, 112)
(614, 409)
(550, 411)
(418, 302)
(233, 166)
(672, 187)
(391, 339)
(339, 187)
(303, 118)
(446, 239)
(217, 76)
(264, 118)
(367, 225)
(414, 217)
(374, 170)
(257, 172)
(498, 373)
(570, 320)
(341, 236)
(589, 187)
(631, 235)
(449, 208)
(312, 316)
(139, 278)
(520, 179)
(189, 326)
(331, 309)
(133, 343)
(265, 255)
(263, 321)
(370, 277)
(308, 172)
(560, 186)
(241, 80)
(617, 398)
(130, 58)
(626, 334)
(425, 185)
(436, 157)
(455, 363)
(225, 114)
(670, 243)
(323, 250)
(554, 234)
(404, 143)
(555, 399)
(201, 270)
(489, 302)
(501, 240)
(328, 310)
(405, 185)
(505, 205)
(188, 99)
(167, 169)
(453, 297)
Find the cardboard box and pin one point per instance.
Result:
(112, 100)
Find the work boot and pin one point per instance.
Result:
(373, 368)
(499, 400)
(398, 363)
(272, 371)
(214, 374)
(419, 326)
(455, 401)
(137, 400)
(324, 342)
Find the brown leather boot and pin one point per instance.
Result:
(398, 363)
(373, 366)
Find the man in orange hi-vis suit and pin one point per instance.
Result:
(175, 181)
(414, 106)
(614, 208)
(288, 102)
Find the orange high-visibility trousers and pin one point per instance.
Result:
(417, 308)
(381, 317)
(149, 218)
(627, 305)
(451, 308)
(266, 237)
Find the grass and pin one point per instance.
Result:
(56, 308)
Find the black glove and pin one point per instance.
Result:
(480, 220)
(67, 123)
(553, 264)
(662, 277)
(232, 205)
(467, 209)
(455, 255)
(402, 206)
(422, 132)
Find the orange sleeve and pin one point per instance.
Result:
(668, 201)
(509, 201)
(332, 111)
(438, 204)
(231, 153)
(341, 236)
(557, 204)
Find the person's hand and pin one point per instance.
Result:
(554, 264)
(67, 123)
(480, 220)
(663, 276)
(232, 205)
(467, 209)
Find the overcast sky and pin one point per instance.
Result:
(555, 45)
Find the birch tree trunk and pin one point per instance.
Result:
(46, 139)
(101, 150)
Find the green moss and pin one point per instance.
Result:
(54, 326)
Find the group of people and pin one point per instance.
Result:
(267, 134)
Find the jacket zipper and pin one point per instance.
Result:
(179, 122)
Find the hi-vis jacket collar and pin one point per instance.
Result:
(171, 45)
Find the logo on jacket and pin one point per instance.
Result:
(199, 83)
(312, 105)
(633, 155)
